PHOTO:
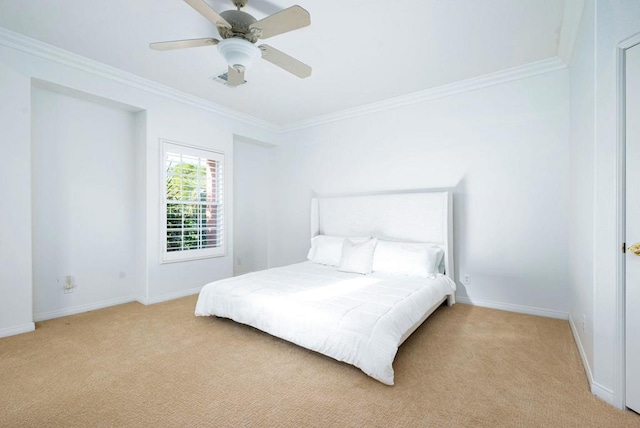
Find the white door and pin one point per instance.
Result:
(632, 283)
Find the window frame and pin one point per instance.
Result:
(168, 146)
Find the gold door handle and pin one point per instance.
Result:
(635, 249)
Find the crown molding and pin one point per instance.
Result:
(467, 85)
(49, 52)
(43, 50)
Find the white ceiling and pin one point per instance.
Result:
(361, 51)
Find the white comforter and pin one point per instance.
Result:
(350, 317)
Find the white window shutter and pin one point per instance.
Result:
(193, 218)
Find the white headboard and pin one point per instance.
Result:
(417, 217)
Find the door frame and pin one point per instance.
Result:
(619, 352)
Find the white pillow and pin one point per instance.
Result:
(327, 250)
(407, 258)
(357, 257)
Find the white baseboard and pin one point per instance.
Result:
(529, 310)
(603, 393)
(19, 329)
(43, 316)
(598, 390)
(169, 296)
(583, 355)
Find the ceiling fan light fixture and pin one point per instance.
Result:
(238, 52)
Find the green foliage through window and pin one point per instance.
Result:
(194, 195)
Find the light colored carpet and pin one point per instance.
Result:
(134, 365)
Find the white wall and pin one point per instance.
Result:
(196, 127)
(84, 192)
(594, 240)
(164, 114)
(15, 204)
(582, 179)
(252, 193)
(504, 151)
(616, 20)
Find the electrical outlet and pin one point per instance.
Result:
(68, 284)
(239, 261)
(466, 279)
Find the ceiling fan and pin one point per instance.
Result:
(240, 31)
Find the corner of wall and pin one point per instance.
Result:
(142, 275)
(16, 305)
(570, 24)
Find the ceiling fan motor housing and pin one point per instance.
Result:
(240, 22)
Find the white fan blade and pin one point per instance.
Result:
(207, 11)
(181, 44)
(235, 76)
(285, 61)
(284, 21)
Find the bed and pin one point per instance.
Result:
(357, 318)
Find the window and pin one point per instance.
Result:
(193, 208)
